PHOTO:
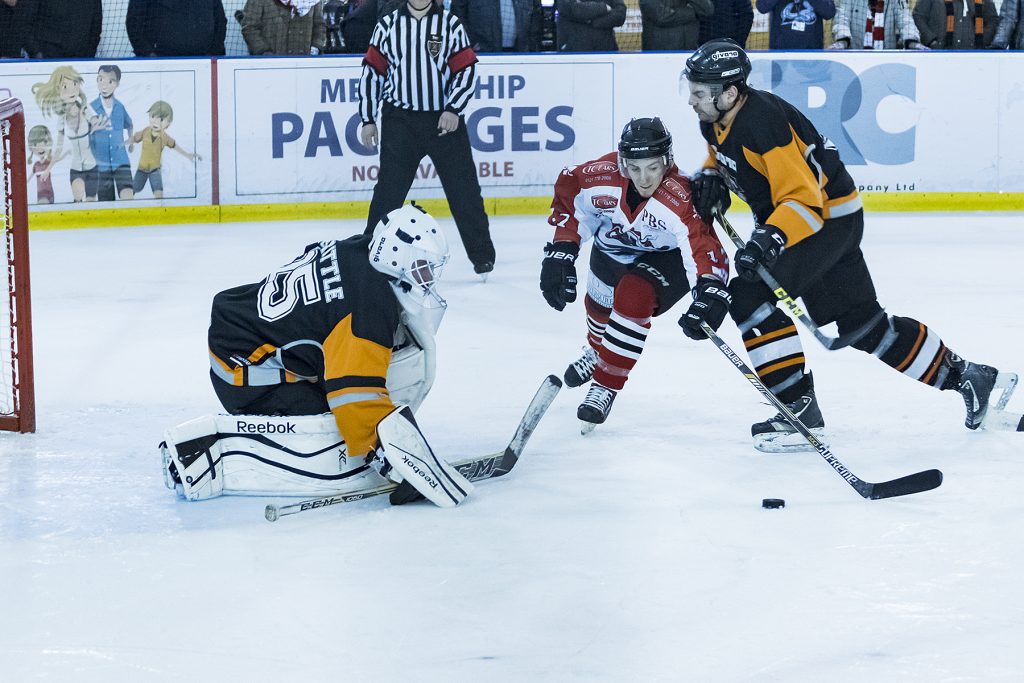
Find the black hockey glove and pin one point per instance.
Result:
(709, 191)
(711, 302)
(762, 249)
(558, 273)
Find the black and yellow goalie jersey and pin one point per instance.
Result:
(776, 161)
(329, 318)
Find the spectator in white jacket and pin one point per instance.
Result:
(875, 25)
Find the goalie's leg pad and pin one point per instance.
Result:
(407, 451)
(191, 459)
(262, 455)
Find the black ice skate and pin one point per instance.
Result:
(595, 407)
(976, 383)
(582, 369)
(776, 435)
(483, 268)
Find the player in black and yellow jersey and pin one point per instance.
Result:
(347, 330)
(809, 221)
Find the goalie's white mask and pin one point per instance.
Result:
(409, 247)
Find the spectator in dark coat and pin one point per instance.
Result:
(13, 27)
(1010, 32)
(389, 6)
(486, 24)
(731, 19)
(931, 17)
(672, 24)
(587, 26)
(176, 28)
(796, 24)
(360, 18)
(65, 29)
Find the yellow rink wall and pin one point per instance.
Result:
(501, 206)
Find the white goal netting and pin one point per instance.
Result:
(7, 341)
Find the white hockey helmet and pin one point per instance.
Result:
(409, 247)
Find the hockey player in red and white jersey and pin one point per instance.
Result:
(650, 248)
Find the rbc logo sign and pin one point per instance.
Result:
(849, 115)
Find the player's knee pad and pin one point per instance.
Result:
(406, 450)
(600, 292)
(635, 296)
(259, 455)
(868, 323)
(752, 303)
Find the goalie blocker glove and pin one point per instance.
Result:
(711, 301)
(763, 249)
(709, 192)
(558, 273)
(409, 458)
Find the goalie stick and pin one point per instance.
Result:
(912, 483)
(830, 343)
(474, 469)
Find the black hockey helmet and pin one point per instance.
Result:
(719, 62)
(645, 139)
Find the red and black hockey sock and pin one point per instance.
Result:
(773, 346)
(597, 320)
(626, 332)
(912, 348)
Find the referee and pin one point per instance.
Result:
(419, 71)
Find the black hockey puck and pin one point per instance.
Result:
(773, 503)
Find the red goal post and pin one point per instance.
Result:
(17, 388)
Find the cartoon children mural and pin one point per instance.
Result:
(154, 138)
(40, 146)
(108, 143)
(98, 138)
(62, 95)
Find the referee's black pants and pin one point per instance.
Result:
(408, 136)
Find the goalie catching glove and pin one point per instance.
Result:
(711, 302)
(558, 273)
(406, 458)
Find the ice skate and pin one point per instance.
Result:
(777, 435)
(483, 268)
(582, 369)
(595, 407)
(976, 383)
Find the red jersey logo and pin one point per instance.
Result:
(605, 201)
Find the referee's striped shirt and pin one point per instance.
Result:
(421, 64)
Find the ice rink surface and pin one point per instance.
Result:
(638, 553)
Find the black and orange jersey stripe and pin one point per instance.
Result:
(776, 161)
(329, 318)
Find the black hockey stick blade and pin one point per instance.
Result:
(904, 486)
(474, 469)
(912, 483)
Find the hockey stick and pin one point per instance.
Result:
(474, 469)
(912, 483)
(830, 343)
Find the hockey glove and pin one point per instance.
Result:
(763, 249)
(709, 192)
(558, 273)
(711, 302)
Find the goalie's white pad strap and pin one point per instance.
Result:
(409, 454)
(258, 455)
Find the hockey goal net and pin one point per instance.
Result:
(17, 396)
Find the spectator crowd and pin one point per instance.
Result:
(65, 29)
